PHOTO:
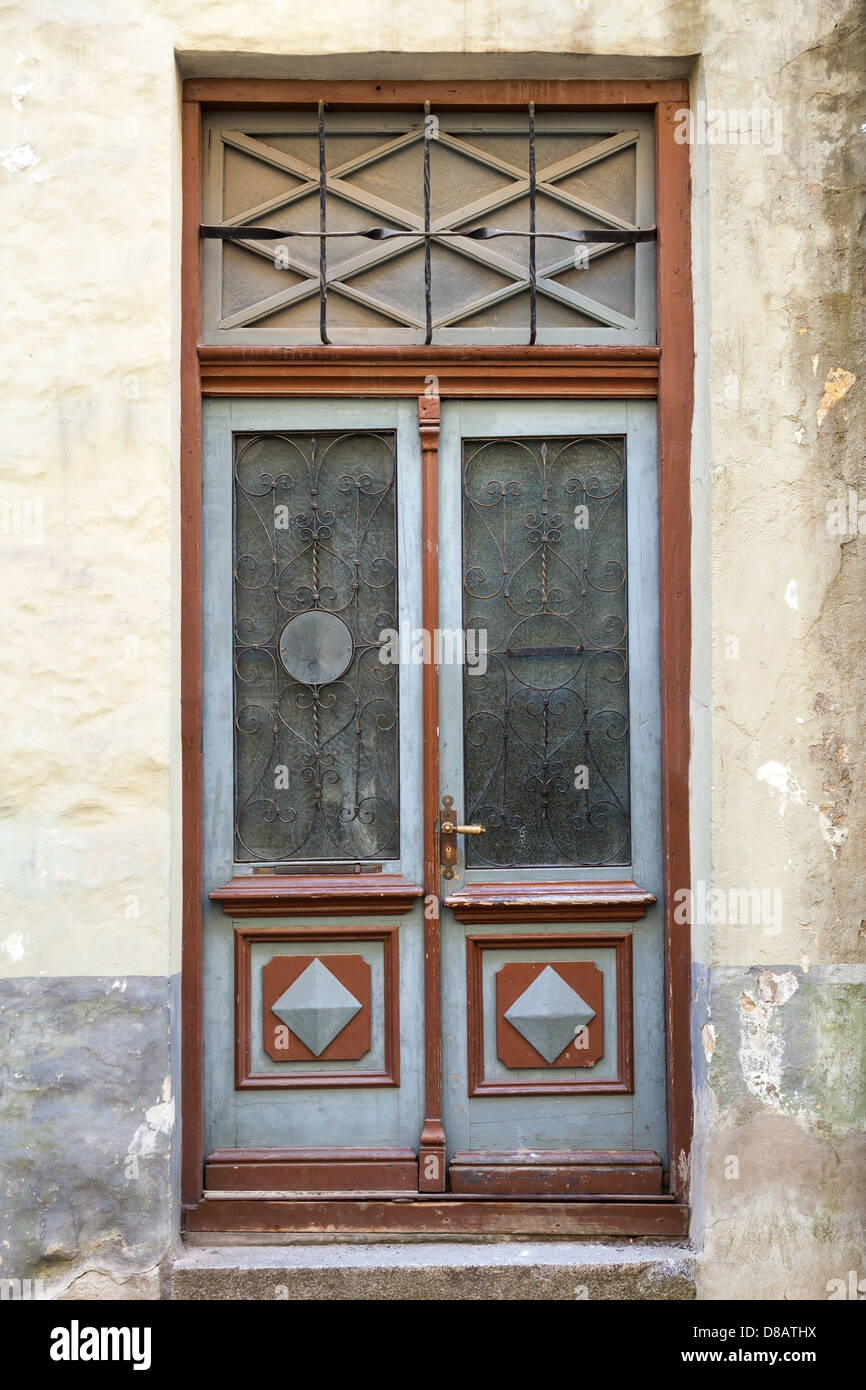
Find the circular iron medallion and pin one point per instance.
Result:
(316, 647)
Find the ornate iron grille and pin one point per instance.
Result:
(546, 744)
(315, 710)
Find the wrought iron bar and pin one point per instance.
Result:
(622, 236)
(532, 271)
(428, 285)
(323, 231)
(545, 651)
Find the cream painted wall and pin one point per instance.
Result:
(88, 180)
(89, 189)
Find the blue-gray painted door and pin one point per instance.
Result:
(548, 579)
(548, 554)
(310, 506)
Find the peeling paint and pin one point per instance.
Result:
(14, 945)
(781, 779)
(835, 835)
(158, 1119)
(838, 384)
(797, 1047)
(708, 1038)
(761, 1052)
(776, 989)
(18, 159)
(684, 1169)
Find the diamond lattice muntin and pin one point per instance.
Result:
(316, 1007)
(587, 178)
(549, 1013)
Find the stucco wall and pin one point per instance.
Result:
(88, 570)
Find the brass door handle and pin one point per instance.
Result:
(448, 832)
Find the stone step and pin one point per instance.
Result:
(550, 1270)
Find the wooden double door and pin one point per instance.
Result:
(433, 947)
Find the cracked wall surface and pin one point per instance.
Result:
(89, 573)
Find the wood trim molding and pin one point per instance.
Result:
(637, 94)
(431, 1151)
(191, 980)
(482, 372)
(256, 369)
(599, 901)
(433, 1214)
(316, 895)
(312, 1170)
(538, 942)
(554, 1174)
(676, 400)
(248, 1080)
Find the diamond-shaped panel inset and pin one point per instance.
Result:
(316, 1007)
(549, 1013)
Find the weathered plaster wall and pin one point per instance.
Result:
(88, 569)
(781, 344)
(88, 1115)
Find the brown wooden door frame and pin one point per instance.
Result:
(665, 371)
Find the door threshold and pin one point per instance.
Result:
(440, 1213)
(216, 1241)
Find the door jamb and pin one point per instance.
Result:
(551, 371)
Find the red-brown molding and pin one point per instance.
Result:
(676, 399)
(555, 1174)
(604, 900)
(477, 372)
(541, 943)
(248, 1080)
(637, 94)
(312, 1170)
(192, 982)
(438, 1214)
(317, 895)
(660, 1217)
(431, 1148)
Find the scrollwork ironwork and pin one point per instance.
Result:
(546, 735)
(316, 765)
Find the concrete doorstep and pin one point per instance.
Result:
(557, 1270)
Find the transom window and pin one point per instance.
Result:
(430, 221)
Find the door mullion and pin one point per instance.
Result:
(431, 1155)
